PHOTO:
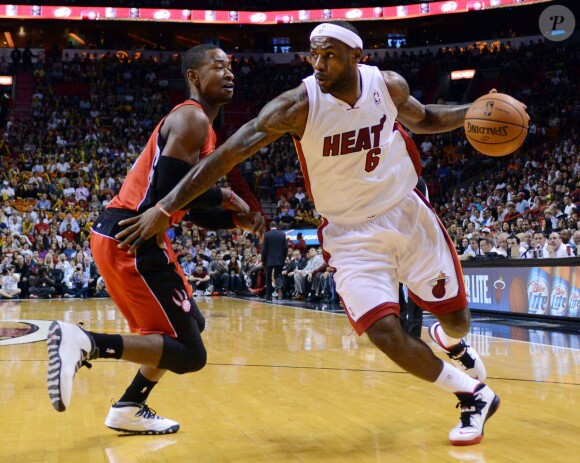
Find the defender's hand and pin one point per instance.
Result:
(141, 228)
(232, 202)
(250, 221)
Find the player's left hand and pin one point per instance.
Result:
(493, 90)
(250, 221)
(142, 227)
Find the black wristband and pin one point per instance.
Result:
(213, 219)
(211, 198)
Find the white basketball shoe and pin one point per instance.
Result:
(462, 355)
(133, 418)
(476, 409)
(69, 348)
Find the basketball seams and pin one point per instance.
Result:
(487, 130)
(491, 98)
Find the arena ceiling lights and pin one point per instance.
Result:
(252, 17)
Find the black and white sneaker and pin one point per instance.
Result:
(69, 348)
(462, 355)
(476, 409)
(133, 418)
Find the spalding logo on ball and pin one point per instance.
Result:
(496, 124)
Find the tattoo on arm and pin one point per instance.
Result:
(443, 118)
(281, 115)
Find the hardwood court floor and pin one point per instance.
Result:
(282, 385)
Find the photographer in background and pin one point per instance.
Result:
(10, 281)
(79, 282)
(41, 285)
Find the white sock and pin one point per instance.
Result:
(447, 342)
(453, 380)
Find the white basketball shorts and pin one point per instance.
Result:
(406, 244)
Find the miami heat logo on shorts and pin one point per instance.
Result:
(438, 285)
(180, 300)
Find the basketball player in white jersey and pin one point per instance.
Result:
(360, 169)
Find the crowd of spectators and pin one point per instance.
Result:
(64, 164)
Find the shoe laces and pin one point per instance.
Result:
(86, 356)
(148, 413)
(460, 353)
(470, 405)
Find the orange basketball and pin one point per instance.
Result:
(496, 124)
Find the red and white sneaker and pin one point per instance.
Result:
(476, 409)
(462, 355)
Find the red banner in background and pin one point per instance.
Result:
(251, 17)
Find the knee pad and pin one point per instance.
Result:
(180, 358)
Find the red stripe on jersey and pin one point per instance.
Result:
(303, 167)
(411, 147)
(138, 181)
(460, 300)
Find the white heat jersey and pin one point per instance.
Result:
(357, 162)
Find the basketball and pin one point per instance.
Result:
(496, 124)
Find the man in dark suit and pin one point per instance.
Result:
(274, 252)
(298, 262)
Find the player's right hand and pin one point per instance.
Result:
(232, 202)
(142, 227)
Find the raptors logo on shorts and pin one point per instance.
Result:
(438, 285)
(181, 300)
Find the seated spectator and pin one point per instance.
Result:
(219, 274)
(255, 275)
(328, 286)
(502, 247)
(473, 249)
(307, 280)
(9, 288)
(557, 249)
(188, 264)
(43, 202)
(79, 283)
(69, 234)
(576, 241)
(487, 247)
(296, 263)
(300, 195)
(200, 280)
(42, 286)
(100, 289)
(516, 250)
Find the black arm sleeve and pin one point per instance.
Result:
(214, 219)
(211, 198)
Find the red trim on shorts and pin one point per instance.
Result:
(376, 313)
(373, 315)
(303, 167)
(411, 147)
(456, 303)
(325, 255)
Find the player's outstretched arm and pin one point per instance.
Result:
(418, 117)
(286, 113)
